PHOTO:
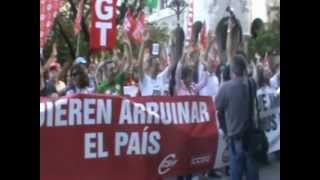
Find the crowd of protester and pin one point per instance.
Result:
(197, 72)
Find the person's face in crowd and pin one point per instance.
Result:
(111, 69)
(187, 76)
(192, 59)
(155, 67)
(213, 58)
(76, 76)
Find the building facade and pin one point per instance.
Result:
(211, 11)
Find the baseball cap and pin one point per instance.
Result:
(80, 60)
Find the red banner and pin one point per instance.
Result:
(103, 24)
(85, 137)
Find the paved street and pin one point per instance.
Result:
(271, 172)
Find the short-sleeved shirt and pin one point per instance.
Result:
(234, 101)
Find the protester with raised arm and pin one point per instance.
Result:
(153, 81)
(229, 37)
(212, 62)
(114, 72)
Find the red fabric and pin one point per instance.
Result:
(137, 33)
(134, 27)
(77, 22)
(129, 23)
(48, 11)
(100, 40)
(62, 148)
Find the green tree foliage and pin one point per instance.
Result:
(63, 35)
(268, 40)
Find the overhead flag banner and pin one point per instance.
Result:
(77, 22)
(137, 33)
(103, 27)
(48, 12)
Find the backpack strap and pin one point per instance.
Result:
(254, 115)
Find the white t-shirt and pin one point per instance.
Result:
(155, 87)
(274, 81)
(212, 86)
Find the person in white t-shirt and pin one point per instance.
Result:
(153, 81)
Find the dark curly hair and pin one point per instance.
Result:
(83, 80)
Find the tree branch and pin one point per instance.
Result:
(84, 26)
(65, 37)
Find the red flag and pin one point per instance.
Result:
(129, 23)
(137, 34)
(204, 36)
(77, 22)
(48, 11)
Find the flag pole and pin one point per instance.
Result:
(78, 44)
(78, 22)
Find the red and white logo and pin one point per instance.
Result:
(167, 163)
(103, 24)
(205, 159)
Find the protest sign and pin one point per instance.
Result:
(110, 137)
(269, 113)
